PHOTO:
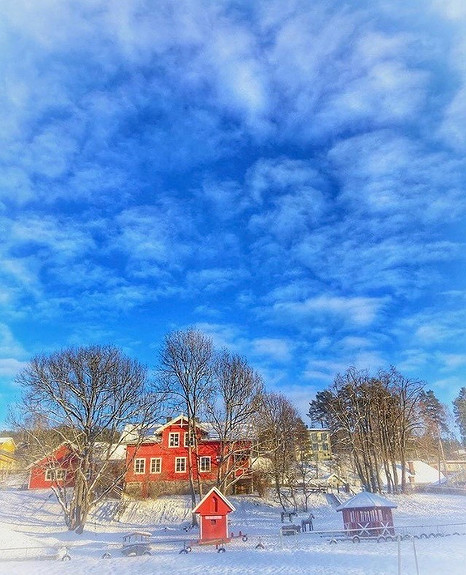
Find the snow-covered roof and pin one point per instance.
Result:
(183, 420)
(7, 440)
(421, 473)
(242, 432)
(366, 500)
(132, 432)
(117, 452)
(425, 473)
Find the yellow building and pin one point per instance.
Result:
(7, 453)
(320, 443)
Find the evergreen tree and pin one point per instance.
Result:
(459, 409)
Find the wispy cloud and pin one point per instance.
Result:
(350, 310)
(274, 348)
(289, 176)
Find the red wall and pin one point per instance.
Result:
(168, 455)
(213, 527)
(61, 458)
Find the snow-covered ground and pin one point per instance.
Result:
(31, 529)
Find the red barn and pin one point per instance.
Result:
(213, 510)
(55, 469)
(161, 462)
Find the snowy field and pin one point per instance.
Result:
(31, 531)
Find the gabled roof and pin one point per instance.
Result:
(424, 474)
(183, 419)
(70, 446)
(214, 491)
(366, 500)
(7, 440)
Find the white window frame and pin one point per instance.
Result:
(241, 457)
(180, 462)
(138, 468)
(174, 439)
(55, 474)
(156, 465)
(188, 436)
(202, 466)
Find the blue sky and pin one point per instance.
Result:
(287, 176)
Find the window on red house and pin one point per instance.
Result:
(204, 464)
(174, 439)
(53, 474)
(139, 466)
(156, 465)
(180, 464)
(188, 439)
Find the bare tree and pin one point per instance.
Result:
(186, 373)
(280, 429)
(84, 397)
(232, 410)
(375, 418)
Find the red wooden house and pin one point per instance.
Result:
(161, 462)
(55, 469)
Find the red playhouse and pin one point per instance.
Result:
(213, 511)
(367, 515)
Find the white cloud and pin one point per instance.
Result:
(452, 361)
(214, 280)
(282, 175)
(10, 367)
(9, 345)
(454, 9)
(356, 311)
(277, 349)
(154, 236)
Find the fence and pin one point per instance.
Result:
(240, 541)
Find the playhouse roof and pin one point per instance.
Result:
(200, 507)
(366, 500)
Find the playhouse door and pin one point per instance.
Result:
(213, 527)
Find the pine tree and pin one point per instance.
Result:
(459, 409)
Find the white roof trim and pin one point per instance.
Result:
(173, 421)
(220, 494)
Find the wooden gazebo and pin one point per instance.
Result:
(367, 515)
